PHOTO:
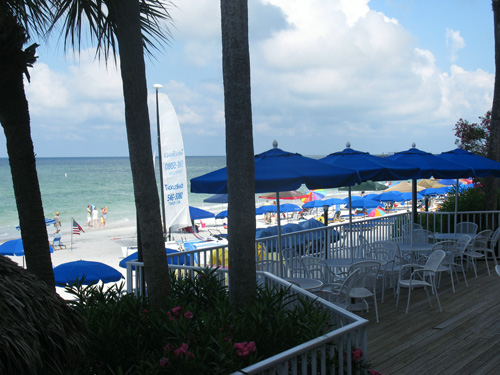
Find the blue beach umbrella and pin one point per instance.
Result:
(265, 209)
(89, 272)
(217, 198)
(391, 196)
(315, 204)
(408, 196)
(184, 259)
(364, 203)
(47, 223)
(198, 213)
(334, 201)
(289, 207)
(15, 247)
(221, 215)
(430, 191)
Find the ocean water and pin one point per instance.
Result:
(68, 185)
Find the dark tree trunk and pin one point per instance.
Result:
(14, 117)
(239, 151)
(133, 71)
(491, 184)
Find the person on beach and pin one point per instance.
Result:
(57, 224)
(104, 214)
(94, 216)
(89, 216)
(101, 219)
(57, 241)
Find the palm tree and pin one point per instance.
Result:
(16, 18)
(491, 184)
(239, 151)
(131, 26)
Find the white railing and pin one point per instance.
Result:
(318, 356)
(444, 222)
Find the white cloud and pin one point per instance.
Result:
(454, 42)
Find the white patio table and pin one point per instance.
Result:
(451, 236)
(305, 283)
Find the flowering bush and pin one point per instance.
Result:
(197, 332)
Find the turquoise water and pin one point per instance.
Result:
(68, 185)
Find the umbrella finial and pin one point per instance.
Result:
(413, 145)
(348, 144)
(275, 144)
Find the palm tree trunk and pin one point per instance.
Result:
(147, 202)
(491, 184)
(239, 151)
(14, 117)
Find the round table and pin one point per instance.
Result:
(305, 283)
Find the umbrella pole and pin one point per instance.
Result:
(279, 221)
(351, 245)
(456, 206)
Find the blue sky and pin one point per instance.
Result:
(379, 74)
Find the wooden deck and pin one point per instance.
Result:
(463, 339)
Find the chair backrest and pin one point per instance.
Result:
(345, 289)
(419, 236)
(383, 251)
(494, 238)
(466, 227)
(462, 244)
(434, 260)
(407, 227)
(449, 247)
(368, 273)
(481, 240)
(364, 247)
(315, 268)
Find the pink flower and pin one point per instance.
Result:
(183, 351)
(168, 348)
(357, 354)
(188, 315)
(174, 313)
(244, 349)
(374, 372)
(144, 312)
(163, 362)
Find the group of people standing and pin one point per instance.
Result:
(93, 216)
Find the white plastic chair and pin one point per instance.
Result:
(365, 283)
(448, 263)
(421, 277)
(466, 227)
(317, 268)
(293, 266)
(478, 249)
(386, 253)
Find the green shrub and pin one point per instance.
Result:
(196, 333)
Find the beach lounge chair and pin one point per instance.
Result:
(57, 242)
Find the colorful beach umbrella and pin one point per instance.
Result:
(89, 272)
(377, 212)
(313, 195)
(290, 194)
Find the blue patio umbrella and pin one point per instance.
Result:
(444, 189)
(278, 170)
(15, 247)
(89, 272)
(370, 196)
(183, 259)
(430, 166)
(334, 201)
(482, 167)
(447, 181)
(198, 213)
(315, 204)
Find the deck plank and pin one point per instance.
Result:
(464, 338)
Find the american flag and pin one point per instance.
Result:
(77, 228)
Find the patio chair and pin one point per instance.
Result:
(386, 253)
(492, 243)
(466, 227)
(339, 292)
(497, 269)
(407, 227)
(364, 285)
(448, 263)
(416, 276)
(478, 249)
(293, 266)
(317, 268)
(462, 246)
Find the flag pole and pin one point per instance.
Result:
(71, 247)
